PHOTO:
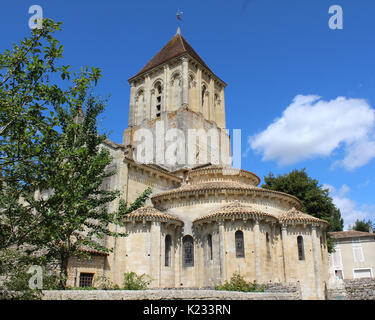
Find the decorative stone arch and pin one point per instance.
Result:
(174, 76)
(175, 90)
(140, 105)
(217, 99)
(192, 80)
(156, 81)
(139, 90)
(204, 103)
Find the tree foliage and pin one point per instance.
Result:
(52, 161)
(362, 225)
(315, 199)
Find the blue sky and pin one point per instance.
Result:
(285, 69)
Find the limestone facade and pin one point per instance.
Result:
(206, 221)
(354, 255)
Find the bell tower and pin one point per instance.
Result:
(177, 90)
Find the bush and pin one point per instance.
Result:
(238, 283)
(103, 283)
(132, 281)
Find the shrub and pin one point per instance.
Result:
(132, 281)
(238, 283)
(103, 283)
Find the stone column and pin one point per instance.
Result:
(155, 253)
(315, 246)
(272, 258)
(222, 111)
(257, 250)
(166, 88)
(185, 80)
(132, 105)
(199, 88)
(284, 235)
(211, 101)
(177, 257)
(223, 275)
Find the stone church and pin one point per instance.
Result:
(205, 220)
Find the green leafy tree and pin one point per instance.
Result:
(362, 225)
(315, 199)
(52, 163)
(27, 129)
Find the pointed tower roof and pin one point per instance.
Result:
(177, 46)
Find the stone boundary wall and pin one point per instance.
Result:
(353, 289)
(172, 294)
(292, 288)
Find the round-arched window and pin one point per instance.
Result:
(240, 252)
(188, 251)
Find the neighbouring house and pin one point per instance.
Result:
(354, 255)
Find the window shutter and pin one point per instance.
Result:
(358, 254)
(336, 257)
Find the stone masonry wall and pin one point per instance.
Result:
(291, 288)
(354, 289)
(165, 295)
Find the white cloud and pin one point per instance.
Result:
(350, 210)
(311, 127)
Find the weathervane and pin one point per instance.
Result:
(178, 15)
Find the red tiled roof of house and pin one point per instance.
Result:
(350, 234)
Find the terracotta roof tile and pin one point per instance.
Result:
(149, 213)
(235, 209)
(221, 185)
(293, 215)
(93, 251)
(350, 234)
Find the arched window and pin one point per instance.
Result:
(188, 251)
(209, 246)
(168, 246)
(192, 81)
(217, 100)
(158, 96)
(301, 253)
(268, 245)
(240, 252)
(204, 89)
(139, 112)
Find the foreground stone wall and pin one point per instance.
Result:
(353, 289)
(165, 295)
(291, 288)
